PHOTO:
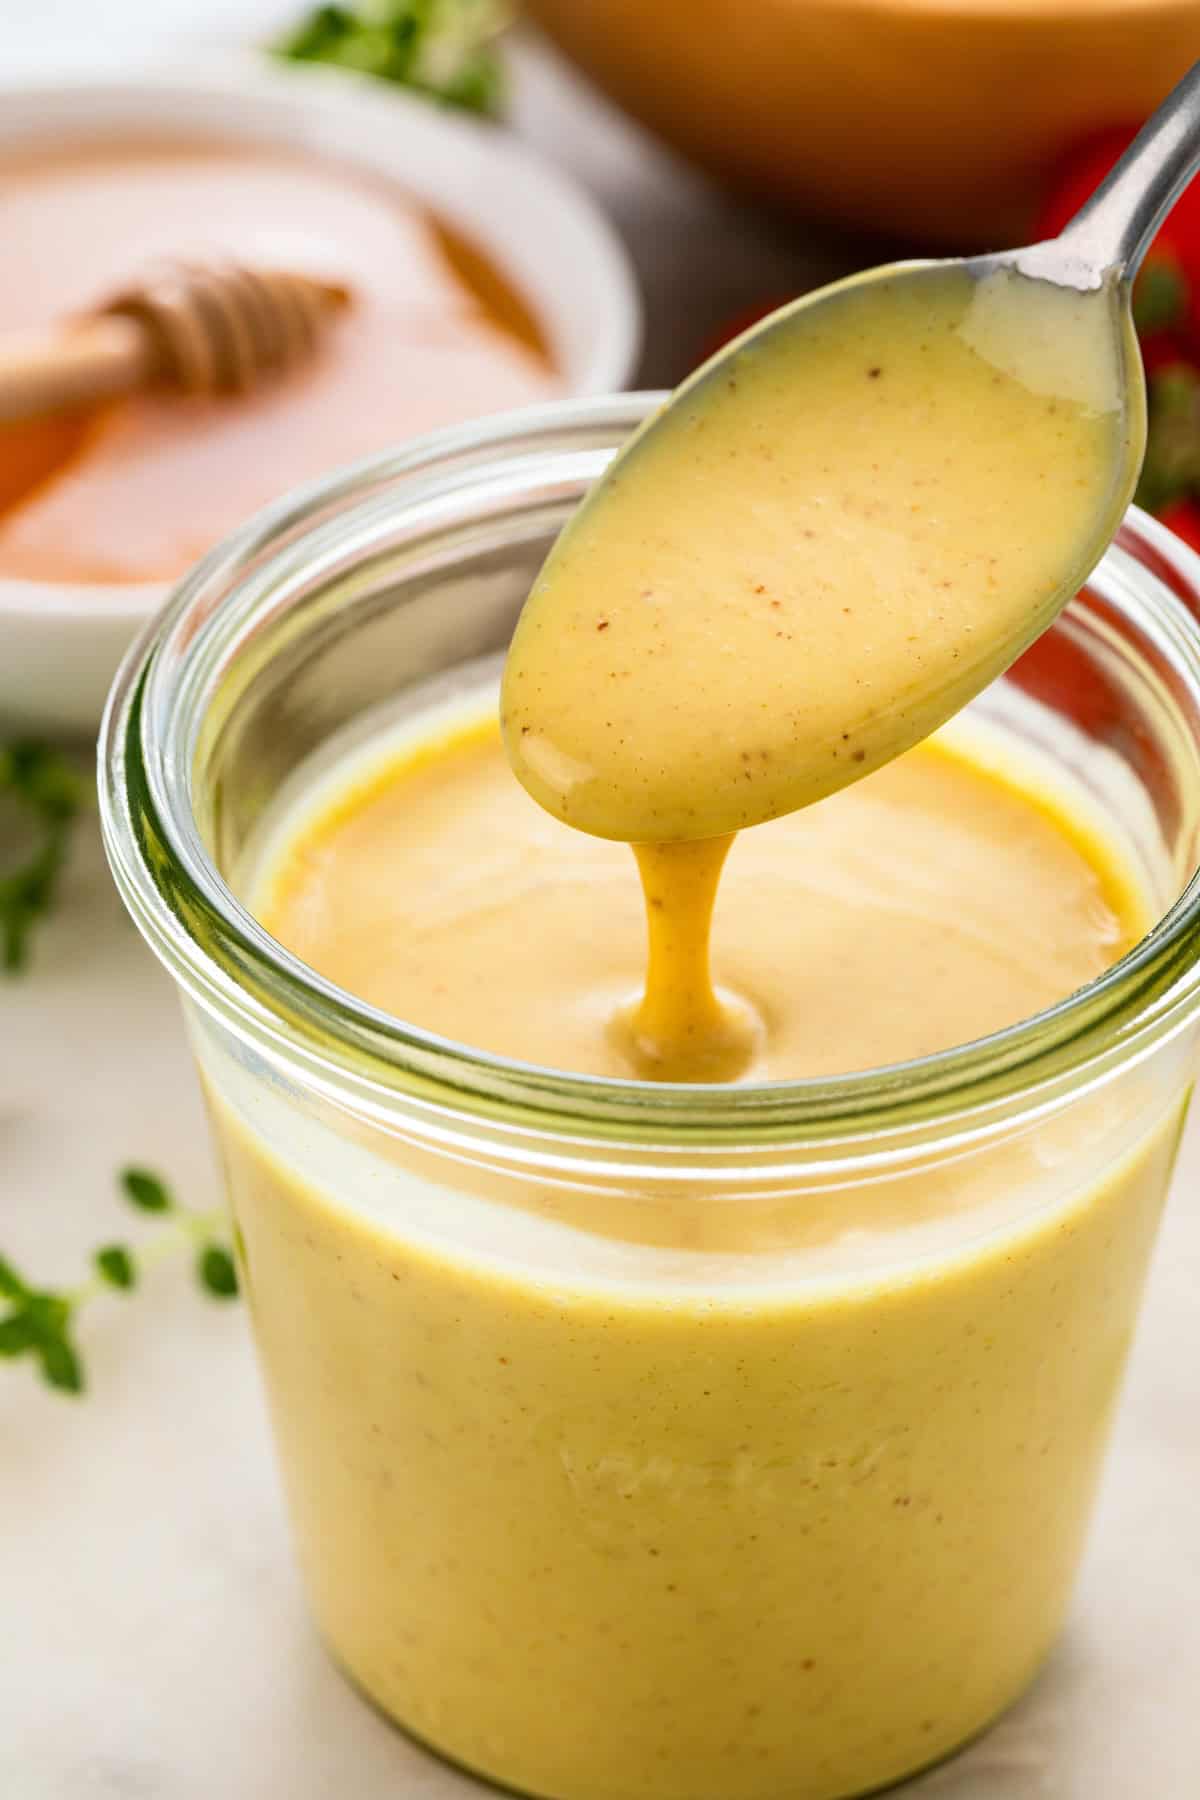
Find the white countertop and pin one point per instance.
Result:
(155, 1644)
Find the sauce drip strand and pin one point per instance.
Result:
(682, 1029)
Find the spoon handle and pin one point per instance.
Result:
(1114, 228)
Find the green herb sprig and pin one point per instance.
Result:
(40, 1322)
(41, 793)
(441, 48)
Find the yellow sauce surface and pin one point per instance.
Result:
(136, 492)
(652, 1493)
(927, 905)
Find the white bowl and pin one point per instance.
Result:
(60, 645)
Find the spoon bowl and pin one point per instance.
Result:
(843, 527)
(834, 535)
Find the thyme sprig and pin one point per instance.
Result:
(41, 792)
(440, 48)
(40, 1322)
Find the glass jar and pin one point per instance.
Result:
(649, 1442)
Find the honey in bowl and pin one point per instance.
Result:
(137, 491)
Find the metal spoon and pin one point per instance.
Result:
(1110, 234)
(651, 692)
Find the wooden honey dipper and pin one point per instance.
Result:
(196, 328)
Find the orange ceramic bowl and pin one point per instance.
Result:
(936, 121)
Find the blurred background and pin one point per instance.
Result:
(746, 149)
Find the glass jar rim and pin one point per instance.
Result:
(230, 965)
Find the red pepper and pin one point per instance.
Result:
(1162, 350)
(1183, 518)
(737, 323)
(1077, 176)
